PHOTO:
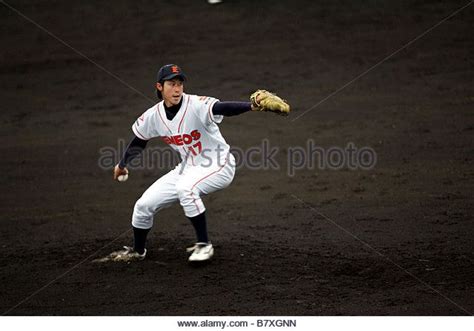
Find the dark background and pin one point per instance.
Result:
(395, 240)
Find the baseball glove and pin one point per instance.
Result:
(266, 101)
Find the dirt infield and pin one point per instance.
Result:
(393, 240)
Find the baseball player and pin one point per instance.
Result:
(189, 124)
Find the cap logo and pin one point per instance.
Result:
(175, 69)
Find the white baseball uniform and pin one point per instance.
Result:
(207, 165)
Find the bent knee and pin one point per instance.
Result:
(142, 215)
(142, 208)
(183, 190)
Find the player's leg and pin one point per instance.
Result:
(194, 183)
(159, 195)
(198, 181)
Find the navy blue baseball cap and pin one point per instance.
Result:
(168, 72)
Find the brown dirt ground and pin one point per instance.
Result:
(274, 254)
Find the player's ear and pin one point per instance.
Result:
(159, 87)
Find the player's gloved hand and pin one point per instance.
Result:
(119, 172)
(263, 100)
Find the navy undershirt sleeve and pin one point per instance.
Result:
(230, 108)
(134, 149)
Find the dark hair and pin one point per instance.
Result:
(158, 93)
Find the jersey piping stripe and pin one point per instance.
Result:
(212, 173)
(182, 118)
(197, 207)
(136, 131)
(159, 113)
(209, 111)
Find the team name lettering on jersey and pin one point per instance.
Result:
(182, 139)
(186, 139)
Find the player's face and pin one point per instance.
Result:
(171, 91)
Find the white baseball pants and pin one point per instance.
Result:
(184, 184)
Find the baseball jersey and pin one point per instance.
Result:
(193, 132)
